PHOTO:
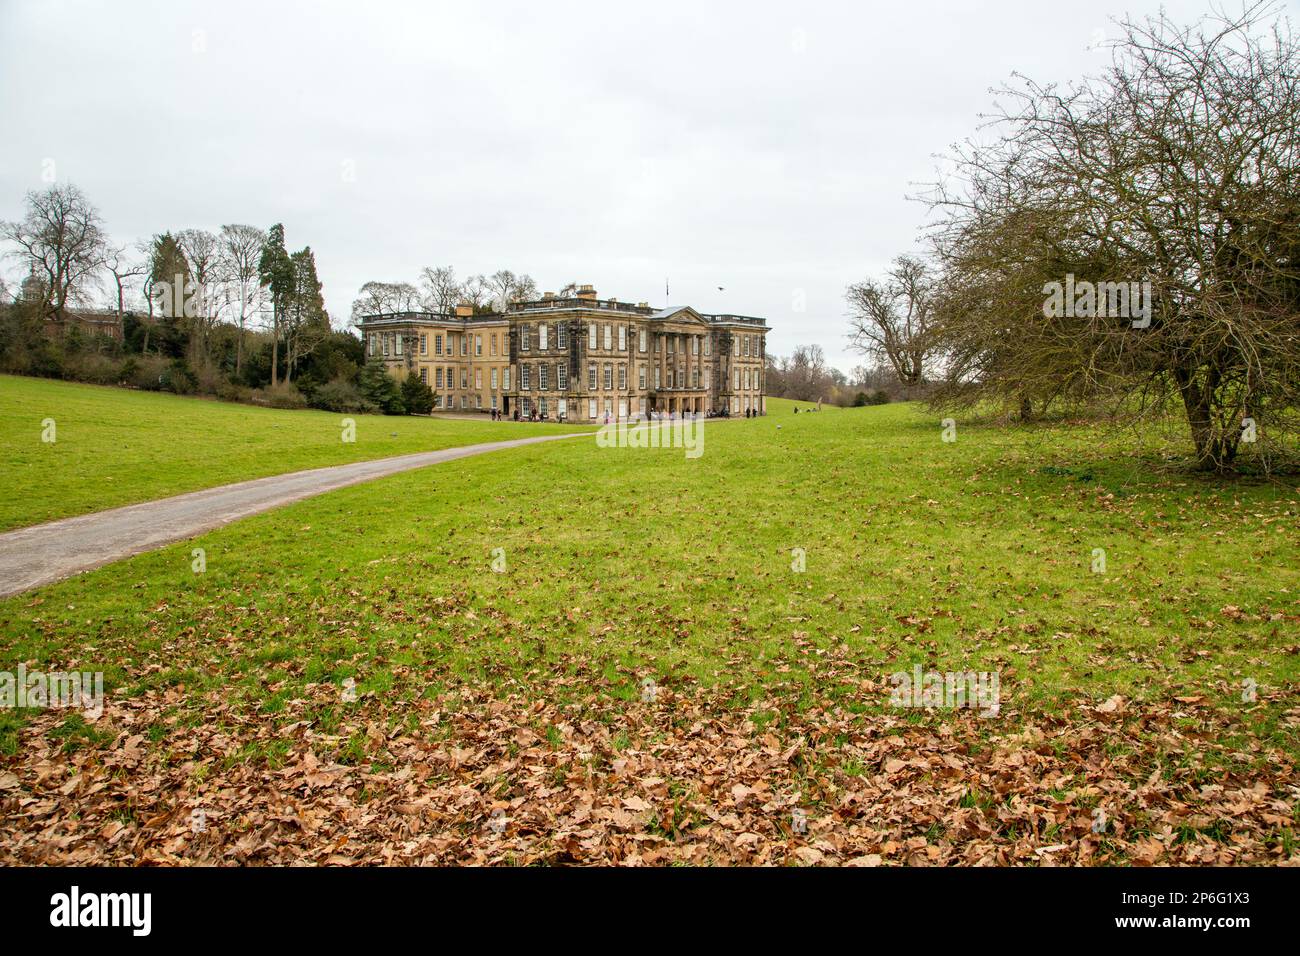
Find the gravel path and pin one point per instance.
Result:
(31, 557)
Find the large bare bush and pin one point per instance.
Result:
(1179, 167)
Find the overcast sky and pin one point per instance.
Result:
(765, 148)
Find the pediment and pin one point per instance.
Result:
(681, 316)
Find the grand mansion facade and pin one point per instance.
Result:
(580, 359)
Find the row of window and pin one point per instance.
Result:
(449, 402)
(391, 343)
(743, 344)
(448, 380)
(634, 406)
(745, 378)
(609, 408)
(560, 407)
(558, 334)
(544, 375)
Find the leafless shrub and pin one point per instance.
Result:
(1179, 168)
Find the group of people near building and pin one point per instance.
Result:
(532, 415)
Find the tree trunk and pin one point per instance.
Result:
(239, 339)
(275, 347)
(1213, 451)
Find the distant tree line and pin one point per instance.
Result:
(233, 313)
(438, 290)
(805, 376)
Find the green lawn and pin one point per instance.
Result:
(626, 565)
(114, 446)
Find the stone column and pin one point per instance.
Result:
(690, 365)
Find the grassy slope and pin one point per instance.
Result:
(621, 564)
(117, 447)
(970, 555)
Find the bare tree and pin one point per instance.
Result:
(440, 292)
(504, 287)
(385, 298)
(477, 291)
(123, 267)
(804, 375)
(525, 289)
(203, 252)
(60, 241)
(1135, 237)
(241, 251)
(144, 248)
(892, 321)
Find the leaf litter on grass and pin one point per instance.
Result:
(558, 771)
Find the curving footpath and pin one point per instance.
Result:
(41, 554)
